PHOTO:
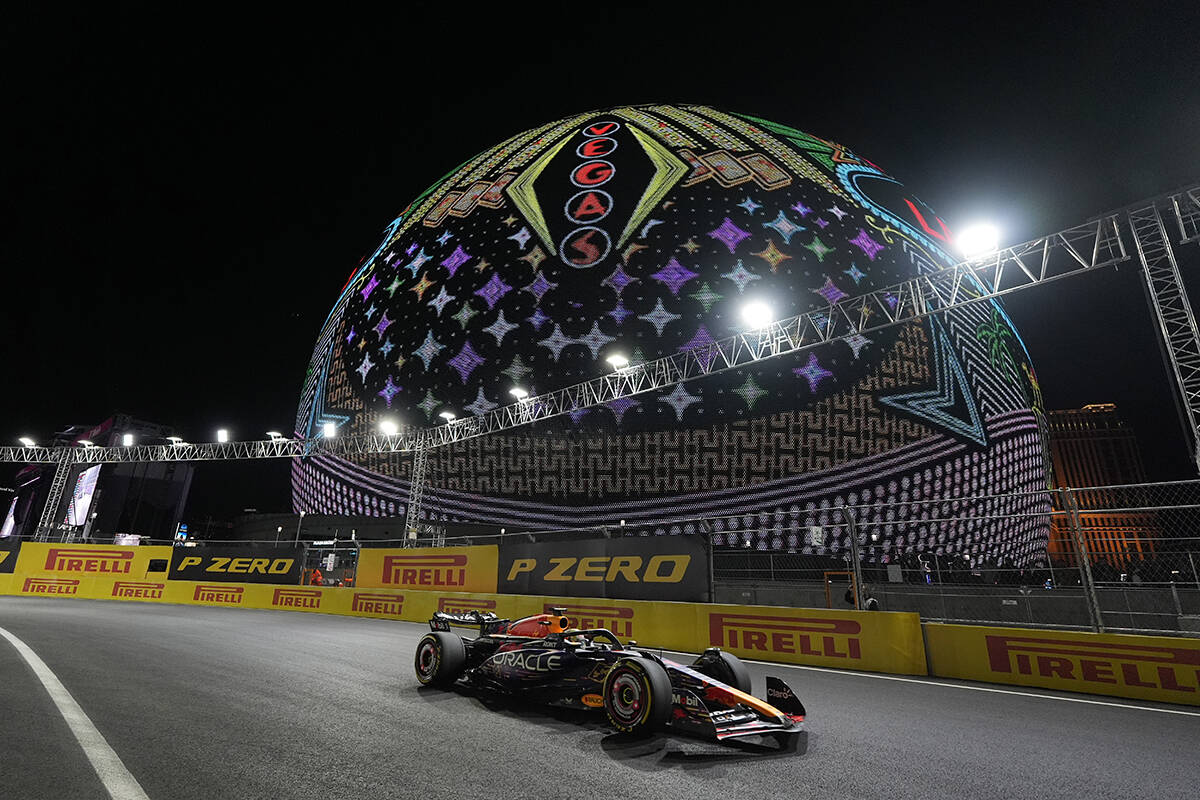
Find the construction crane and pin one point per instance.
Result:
(1098, 243)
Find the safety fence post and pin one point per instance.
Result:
(856, 563)
(1085, 562)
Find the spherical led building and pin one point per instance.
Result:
(646, 230)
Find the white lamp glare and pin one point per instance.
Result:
(222, 436)
(388, 428)
(274, 435)
(618, 361)
(27, 442)
(518, 393)
(127, 440)
(86, 442)
(329, 429)
(757, 315)
(447, 415)
(978, 240)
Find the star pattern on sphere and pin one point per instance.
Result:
(751, 392)
(482, 265)
(456, 260)
(821, 223)
(631, 249)
(855, 273)
(740, 276)
(365, 367)
(691, 246)
(594, 340)
(350, 336)
(830, 292)
(493, 290)
(891, 300)
(619, 279)
(464, 314)
(371, 311)
(772, 255)
(466, 361)
(865, 243)
(660, 318)
(650, 223)
(382, 325)
(680, 400)
(555, 342)
(539, 286)
(442, 299)
(399, 362)
(801, 209)
(577, 414)
(619, 312)
(412, 248)
(428, 404)
(819, 248)
(674, 275)
(370, 287)
(538, 318)
(749, 205)
(812, 372)
(534, 257)
(389, 390)
(418, 261)
(837, 212)
(705, 296)
(500, 328)
(521, 237)
(516, 371)
(428, 349)
(729, 234)
(700, 345)
(620, 406)
(393, 286)
(421, 286)
(784, 227)
(510, 220)
(445, 237)
(857, 342)
(386, 348)
(480, 405)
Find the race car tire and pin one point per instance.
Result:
(440, 659)
(729, 670)
(637, 696)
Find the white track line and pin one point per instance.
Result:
(116, 779)
(927, 682)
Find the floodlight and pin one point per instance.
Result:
(757, 315)
(87, 442)
(27, 442)
(388, 428)
(518, 393)
(978, 240)
(274, 435)
(222, 436)
(127, 440)
(329, 429)
(617, 361)
(447, 415)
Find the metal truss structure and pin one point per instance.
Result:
(1098, 243)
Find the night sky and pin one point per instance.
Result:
(184, 198)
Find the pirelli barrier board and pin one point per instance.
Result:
(642, 568)
(1159, 668)
(455, 569)
(238, 564)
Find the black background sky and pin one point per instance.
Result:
(184, 196)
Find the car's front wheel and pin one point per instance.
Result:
(637, 696)
(441, 658)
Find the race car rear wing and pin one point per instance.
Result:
(487, 622)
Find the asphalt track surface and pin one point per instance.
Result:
(225, 703)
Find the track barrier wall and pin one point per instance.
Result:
(1137, 667)
(1161, 668)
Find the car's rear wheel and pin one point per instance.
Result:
(637, 696)
(727, 668)
(441, 658)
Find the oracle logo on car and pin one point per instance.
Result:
(138, 590)
(218, 594)
(807, 636)
(388, 605)
(296, 598)
(459, 605)
(59, 559)
(424, 570)
(1175, 669)
(50, 586)
(618, 619)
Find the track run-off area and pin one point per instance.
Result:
(196, 702)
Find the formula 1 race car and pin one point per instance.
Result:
(542, 660)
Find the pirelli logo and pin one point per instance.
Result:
(66, 559)
(424, 570)
(618, 619)
(384, 605)
(807, 636)
(1175, 669)
(460, 605)
(297, 598)
(60, 586)
(215, 593)
(137, 590)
